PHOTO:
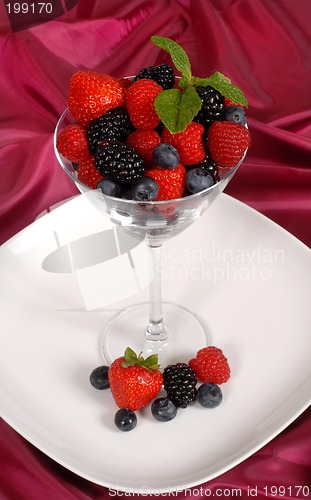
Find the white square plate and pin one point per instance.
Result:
(249, 280)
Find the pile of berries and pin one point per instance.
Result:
(119, 144)
(136, 382)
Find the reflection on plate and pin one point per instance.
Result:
(248, 279)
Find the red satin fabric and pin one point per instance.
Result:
(264, 46)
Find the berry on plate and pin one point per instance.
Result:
(135, 381)
(92, 94)
(227, 142)
(72, 143)
(188, 143)
(180, 384)
(88, 173)
(125, 419)
(163, 409)
(140, 99)
(209, 395)
(99, 377)
(211, 365)
(171, 182)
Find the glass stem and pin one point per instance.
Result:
(156, 329)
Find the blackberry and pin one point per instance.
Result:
(210, 166)
(115, 125)
(212, 106)
(180, 384)
(162, 74)
(119, 162)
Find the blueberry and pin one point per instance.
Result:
(234, 114)
(110, 187)
(198, 179)
(99, 377)
(125, 419)
(144, 189)
(209, 395)
(166, 155)
(163, 409)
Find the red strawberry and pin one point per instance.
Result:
(144, 142)
(134, 381)
(92, 95)
(211, 365)
(171, 182)
(188, 143)
(227, 142)
(140, 103)
(88, 173)
(72, 143)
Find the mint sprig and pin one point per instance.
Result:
(177, 53)
(177, 107)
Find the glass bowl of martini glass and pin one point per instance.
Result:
(150, 327)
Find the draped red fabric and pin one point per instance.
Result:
(264, 46)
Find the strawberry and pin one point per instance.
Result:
(88, 173)
(134, 381)
(211, 365)
(92, 95)
(171, 182)
(140, 103)
(227, 142)
(144, 142)
(72, 143)
(188, 143)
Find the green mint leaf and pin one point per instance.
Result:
(167, 105)
(177, 109)
(190, 105)
(223, 84)
(177, 53)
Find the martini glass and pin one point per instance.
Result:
(168, 329)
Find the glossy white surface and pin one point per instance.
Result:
(247, 278)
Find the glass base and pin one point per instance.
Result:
(186, 334)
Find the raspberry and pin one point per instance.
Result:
(140, 103)
(115, 124)
(144, 142)
(179, 381)
(119, 162)
(88, 173)
(188, 143)
(211, 365)
(163, 75)
(171, 182)
(212, 106)
(72, 143)
(227, 142)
